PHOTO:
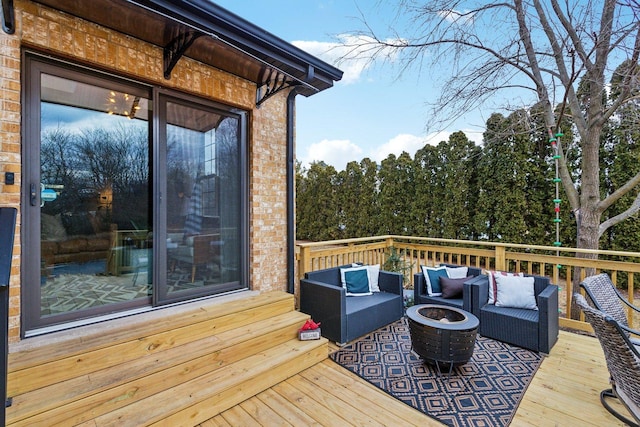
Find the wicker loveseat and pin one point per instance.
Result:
(344, 318)
(536, 330)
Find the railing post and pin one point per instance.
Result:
(389, 243)
(7, 232)
(501, 258)
(305, 261)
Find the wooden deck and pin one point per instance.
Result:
(198, 363)
(564, 392)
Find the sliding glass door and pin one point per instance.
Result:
(113, 221)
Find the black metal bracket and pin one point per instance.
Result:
(8, 18)
(174, 50)
(274, 81)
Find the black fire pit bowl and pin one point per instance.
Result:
(442, 334)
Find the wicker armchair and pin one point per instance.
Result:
(605, 297)
(535, 330)
(623, 361)
(345, 318)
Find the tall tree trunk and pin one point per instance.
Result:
(589, 213)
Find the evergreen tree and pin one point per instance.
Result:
(457, 174)
(425, 204)
(502, 199)
(348, 195)
(369, 213)
(537, 168)
(396, 194)
(317, 205)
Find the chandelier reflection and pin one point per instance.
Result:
(123, 104)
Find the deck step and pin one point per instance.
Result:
(184, 374)
(206, 396)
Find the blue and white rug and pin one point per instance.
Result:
(484, 392)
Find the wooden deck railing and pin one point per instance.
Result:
(558, 263)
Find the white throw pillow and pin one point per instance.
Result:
(374, 273)
(457, 272)
(492, 283)
(431, 274)
(516, 292)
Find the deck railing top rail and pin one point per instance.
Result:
(457, 242)
(561, 264)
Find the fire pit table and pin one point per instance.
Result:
(442, 334)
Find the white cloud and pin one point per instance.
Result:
(339, 152)
(336, 152)
(412, 143)
(352, 54)
(398, 144)
(457, 17)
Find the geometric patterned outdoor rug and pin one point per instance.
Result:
(484, 392)
(75, 289)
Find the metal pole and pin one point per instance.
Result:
(7, 231)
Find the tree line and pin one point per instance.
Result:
(502, 190)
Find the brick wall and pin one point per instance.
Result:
(47, 30)
(268, 191)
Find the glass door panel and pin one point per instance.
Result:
(203, 200)
(93, 193)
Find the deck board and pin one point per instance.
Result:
(308, 405)
(564, 392)
(260, 410)
(283, 407)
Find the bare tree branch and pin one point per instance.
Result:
(616, 195)
(627, 87)
(632, 210)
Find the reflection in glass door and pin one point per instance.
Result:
(88, 185)
(94, 196)
(203, 200)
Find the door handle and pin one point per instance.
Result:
(33, 195)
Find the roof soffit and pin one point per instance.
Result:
(225, 40)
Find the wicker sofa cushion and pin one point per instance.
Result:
(522, 327)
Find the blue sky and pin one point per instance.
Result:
(372, 112)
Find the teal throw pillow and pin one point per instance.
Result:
(432, 277)
(357, 282)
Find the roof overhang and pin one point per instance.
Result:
(210, 34)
